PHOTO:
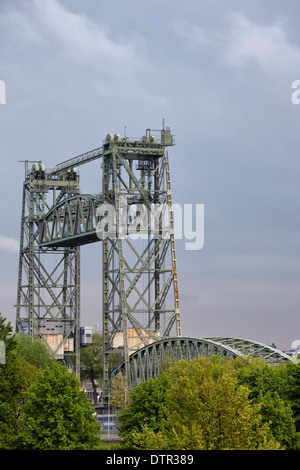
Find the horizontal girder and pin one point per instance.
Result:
(72, 222)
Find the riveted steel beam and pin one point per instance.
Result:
(148, 362)
(48, 295)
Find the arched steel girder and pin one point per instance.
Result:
(247, 347)
(146, 363)
(71, 222)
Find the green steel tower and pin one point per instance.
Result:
(133, 219)
(140, 287)
(48, 296)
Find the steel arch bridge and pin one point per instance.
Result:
(146, 363)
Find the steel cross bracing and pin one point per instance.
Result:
(140, 291)
(48, 295)
(71, 222)
(149, 361)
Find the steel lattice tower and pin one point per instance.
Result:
(48, 296)
(133, 219)
(140, 291)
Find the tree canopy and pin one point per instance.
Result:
(210, 404)
(57, 414)
(41, 404)
(91, 362)
(34, 352)
(207, 403)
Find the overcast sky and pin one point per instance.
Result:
(220, 74)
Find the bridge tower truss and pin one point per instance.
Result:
(48, 293)
(133, 219)
(140, 287)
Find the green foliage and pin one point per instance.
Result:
(214, 404)
(16, 375)
(34, 352)
(15, 378)
(41, 405)
(119, 392)
(292, 391)
(91, 362)
(111, 445)
(260, 376)
(268, 386)
(6, 335)
(206, 409)
(146, 408)
(279, 415)
(57, 415)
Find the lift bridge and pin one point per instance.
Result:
(133, 219)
